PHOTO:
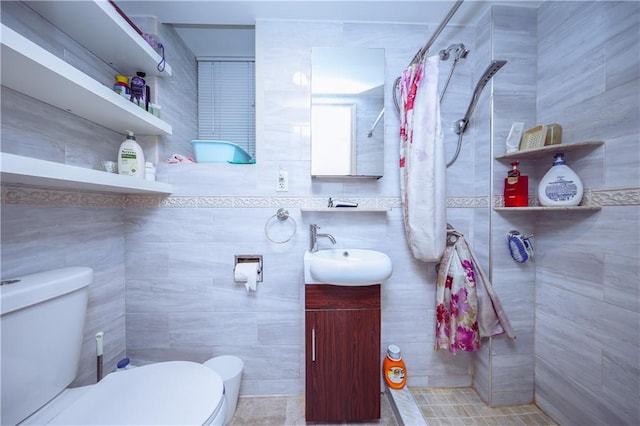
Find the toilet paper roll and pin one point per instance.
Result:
(247, 273)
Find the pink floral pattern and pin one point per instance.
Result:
(422, 160)
(408, 88)
(457, 303)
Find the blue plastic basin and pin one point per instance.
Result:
(211, 151)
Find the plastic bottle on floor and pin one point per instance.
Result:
(394, 369)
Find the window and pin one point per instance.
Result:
(332, 144)
(226, 102)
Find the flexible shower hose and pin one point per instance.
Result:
(455, 156)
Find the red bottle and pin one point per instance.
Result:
(516, 188)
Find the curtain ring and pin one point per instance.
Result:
(282, 215)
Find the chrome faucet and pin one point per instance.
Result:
(313, 228)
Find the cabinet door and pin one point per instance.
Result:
(342, 365)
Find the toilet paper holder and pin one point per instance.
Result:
(249, 258)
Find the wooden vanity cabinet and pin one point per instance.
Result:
(342, 348)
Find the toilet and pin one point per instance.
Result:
(42, 324)
(230, 370)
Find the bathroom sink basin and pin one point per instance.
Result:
(346, 267)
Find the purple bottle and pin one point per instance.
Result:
(137, 87)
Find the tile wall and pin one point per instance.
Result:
(508, 364)
(165, 265)
(45, 229)
(57, 229)
(182, 301)
(179, 300)
(587, 367)
(39, 238)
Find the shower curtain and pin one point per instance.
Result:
(422, 162)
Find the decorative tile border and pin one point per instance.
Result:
(468, 202)
(616, 197)
(17, 195)
(58, 198)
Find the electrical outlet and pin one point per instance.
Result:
(283, 181)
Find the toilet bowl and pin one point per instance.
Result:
(42, 322)
(229, 368)
(171, 393)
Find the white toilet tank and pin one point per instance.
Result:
(42, 325)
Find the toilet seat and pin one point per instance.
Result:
(168, 393)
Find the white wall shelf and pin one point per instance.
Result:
(548, 151)
(99, 27)
(20, 170)
(345, 209)
(546, 208)
(29, 69)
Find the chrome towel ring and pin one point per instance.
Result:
(282, 215)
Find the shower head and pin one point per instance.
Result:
(461, 52)
(492, 69)
(459, 49)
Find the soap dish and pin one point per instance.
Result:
(554, 134)
(534, 138)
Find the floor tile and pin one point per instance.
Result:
(450, 406)
(453, 406)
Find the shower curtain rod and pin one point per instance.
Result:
(425, 49)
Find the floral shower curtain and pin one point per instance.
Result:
(422, 162)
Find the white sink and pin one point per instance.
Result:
(346, 267)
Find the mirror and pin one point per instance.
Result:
(347, 112)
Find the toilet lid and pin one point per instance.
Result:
(167, 393)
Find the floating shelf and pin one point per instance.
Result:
(17, 169)
(548, 151)
(546, 209)
(346, 209)
(29, 69)
(99, 27)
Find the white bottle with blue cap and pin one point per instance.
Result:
(561, 186)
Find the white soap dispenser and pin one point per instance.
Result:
(131, 157)
(561, 186)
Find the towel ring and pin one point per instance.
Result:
(282, 215)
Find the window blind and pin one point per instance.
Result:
(226, 102)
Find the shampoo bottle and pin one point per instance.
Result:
(561, 186)
(516, 188)
(131, 157)
(394, 369)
